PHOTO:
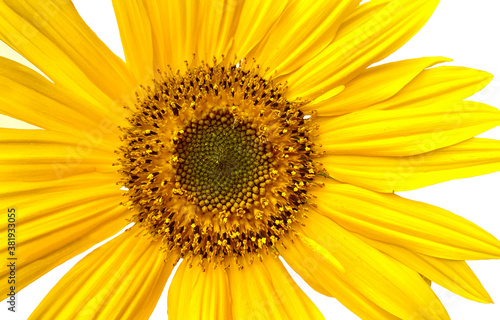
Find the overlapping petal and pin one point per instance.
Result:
(40, 155)
(28, 96)
(304, 30)
(373, 86)
(315, 269)
(454, 275)
(52, 35)
(207, 28)
(369, 41)
(206, 294)
(406, 132)
(385, 282)
(262, 290)
(137, 37)
(52, 231)
(219, 20)
(265, 290)
(123, 279)
(438, 85)
(411, 224)
(391, 174)
(254, 23)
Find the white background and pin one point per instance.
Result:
(468, 32)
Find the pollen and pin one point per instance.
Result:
(217, 163)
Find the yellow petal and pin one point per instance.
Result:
(406, 132)
(390, 174)
(15, 143)
(372, 86)
(28, 96)
(363, 14)
(196, 294)
(40, 155)
(265, 290)
(324, 98)
(52, 35)
(255, 21)
(57, 220)
(438, 84)
(123, 279)
(414, 225)
(386, 31)
(428, 281)
(182, 29)
(136, 35)
(321, 251)
(314, 268)
(176, 27)
(386, 282)
(219, 21)
(304, 29)
(454, 275)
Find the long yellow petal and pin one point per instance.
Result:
(28, 96)
(137, 39)
(40, 155)
(454, 275)
(391, 174)
(52, 35)
(15, 143)
(57, 220)
(438, 84)
(209, 29)
(372, 86)
(123, 279)
(256, 20)
(199, 295)
(176, 27)
(414, 225)
(315, 269)
(386, 31)
(265, 290)
(406, 132)
(182, 29)
(386, 282)
(304, 29)
(363, 14)
(219, 22)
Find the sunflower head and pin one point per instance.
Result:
(217, 162)
(291, 151)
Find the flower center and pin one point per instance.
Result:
(221, 163)
(218, 163)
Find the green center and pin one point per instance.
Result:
(221, 162)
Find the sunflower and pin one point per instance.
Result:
(238, 132)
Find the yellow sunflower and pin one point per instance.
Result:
(238, 132)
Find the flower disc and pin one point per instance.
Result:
(217, 162)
